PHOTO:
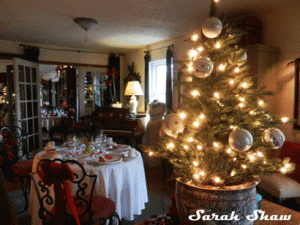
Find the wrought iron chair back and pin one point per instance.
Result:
(18, 135)
(15, 155)
(83, 185)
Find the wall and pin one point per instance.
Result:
(282, 30)
(56, 55)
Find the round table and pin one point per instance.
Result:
(51, 121)
(124, 183)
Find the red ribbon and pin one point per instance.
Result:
(58, 174)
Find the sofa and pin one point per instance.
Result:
(280, 185)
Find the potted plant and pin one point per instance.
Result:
(218, 138)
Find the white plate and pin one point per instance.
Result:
(120, 148)
(45, 148)
(126, 158)
(115, 159)
(64, 149)
(113, 143)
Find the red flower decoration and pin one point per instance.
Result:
(10, 155)
(112, 72)
(109, 82)
(1, 161)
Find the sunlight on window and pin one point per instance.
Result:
(157, 80)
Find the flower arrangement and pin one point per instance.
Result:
(7, 147)
(112, 75)
(86, 130)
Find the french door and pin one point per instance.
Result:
(90, 88)
(27, 102)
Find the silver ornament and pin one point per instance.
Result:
(238, 57)
(274, 136)
(240, 140)
(212, 27)
(203, 67)
(172, 125)
(269, 118)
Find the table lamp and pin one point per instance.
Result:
(133, 88)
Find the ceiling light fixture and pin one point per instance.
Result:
(85, 23)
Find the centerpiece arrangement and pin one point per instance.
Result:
(86, 130)
(218, 139)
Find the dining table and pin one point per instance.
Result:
(49, 121)
(123, 180)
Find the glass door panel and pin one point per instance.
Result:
(92, 82)
(27, 83)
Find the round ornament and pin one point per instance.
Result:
(269, 118)
(172, 125)
(203, 67)
(238, 57)
(212, 27)
(274, 136)
(240, 140)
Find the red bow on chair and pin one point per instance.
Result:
(58, 174)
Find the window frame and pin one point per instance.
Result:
(153, 65)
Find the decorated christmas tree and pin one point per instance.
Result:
(222, 131)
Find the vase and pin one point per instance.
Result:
(212, 205)
(88, 146)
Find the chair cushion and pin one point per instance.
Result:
(292, 150)
(280, 186)
(103, 208)
(22, 168)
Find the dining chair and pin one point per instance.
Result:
(7, 213)
(20, 165)
(73, 201)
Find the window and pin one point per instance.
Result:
(157, 80)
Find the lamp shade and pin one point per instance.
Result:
(133, 88)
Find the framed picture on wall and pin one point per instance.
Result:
(297, 94)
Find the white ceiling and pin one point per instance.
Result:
(123, 24)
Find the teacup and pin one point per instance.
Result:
(131, 153)
(109, 141)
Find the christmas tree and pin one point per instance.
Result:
(222, 131)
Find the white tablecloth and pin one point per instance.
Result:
(124, 183)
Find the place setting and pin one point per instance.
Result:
(102, 151)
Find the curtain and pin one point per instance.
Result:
(169, 85)
(147, 60)
(113, 62)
